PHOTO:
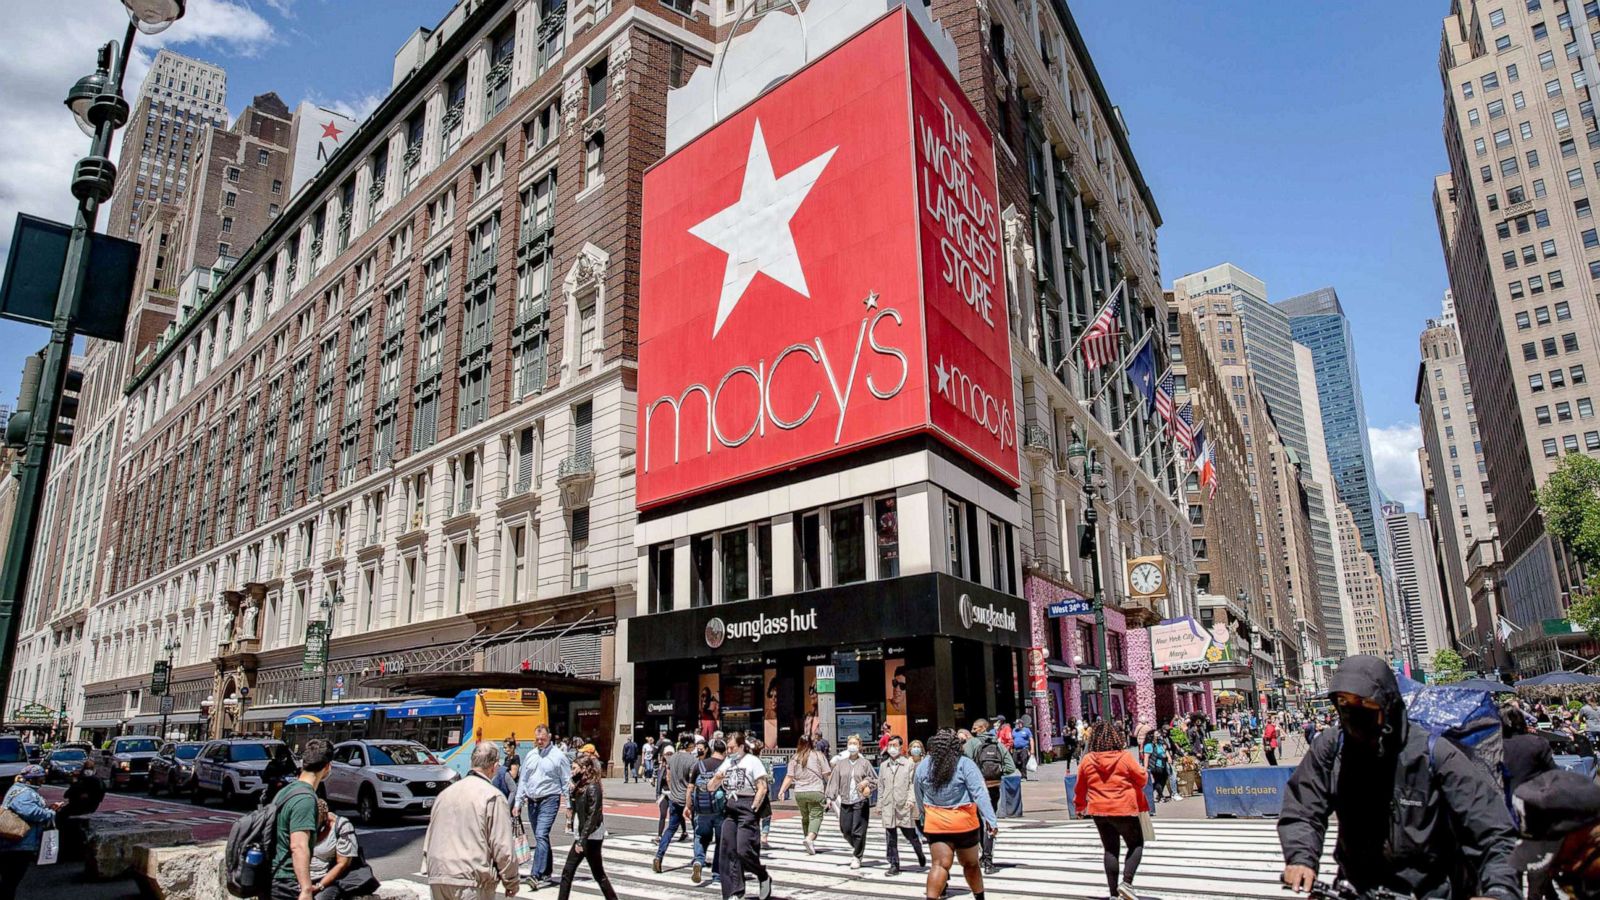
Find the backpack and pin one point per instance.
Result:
(707, 802)
(990, 760)
(257, 830)
(1158, 756)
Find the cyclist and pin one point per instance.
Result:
(1416, 815)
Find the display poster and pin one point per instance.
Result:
(769, 706)
(811, 729)
(895, 674)
(708, 706)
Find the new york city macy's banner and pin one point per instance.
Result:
(821, 271)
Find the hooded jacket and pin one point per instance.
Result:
(1439, 829)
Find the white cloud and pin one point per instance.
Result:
(48, 46)
(357, 108)
(1394, 456)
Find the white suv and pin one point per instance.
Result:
(382, 778)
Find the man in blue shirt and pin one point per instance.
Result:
(1022, 744)
(546, 773)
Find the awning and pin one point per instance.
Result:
(98, 723)
(1191, 689)
(267, 714)
(449, 684)
(172, 719)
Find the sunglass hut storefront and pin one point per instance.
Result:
(921, 652)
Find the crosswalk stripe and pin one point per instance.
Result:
(1188, 859)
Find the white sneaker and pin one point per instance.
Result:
(811, 847)
(855, 862)
(764, 888)
(1125, 892)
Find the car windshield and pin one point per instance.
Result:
(401, 755)
(187, 751)
(257, 752)
(11, 751)
(67, 755)
(135, 745)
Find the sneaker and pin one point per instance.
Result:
(855, 862)
(764, 888)
(811, 847)
(694, 875)
(1125, 892)
(988, 868)
(655, 865)
(893, 871)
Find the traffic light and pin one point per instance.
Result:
(21, 421)
(67, 412)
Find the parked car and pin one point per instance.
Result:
(127, 761)
(62, 764)
(173, 768)
(236, 768)
(382, 778)
(35, 753)
(13, 758)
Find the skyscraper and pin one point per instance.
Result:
(1416, 577)
(1516, 223)
(180, 99)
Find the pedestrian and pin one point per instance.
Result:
(663, 800)
(16, 856)
(647, 758)
(1022, 744)
(1002, 733)
(630, 760)
(956, 812)
(1524, 753)
(1110, 789)
(745, 785)
(883, 738)
(850, 790)
(295, 824)
(897, 804)
(1069, 741)
(337, 869)
(468, 848)
(994, 763)
(589, 833)
(1561, 829)
(1156, 759)
(1269, 740)
(706, 807)
(546, 772)
(754, 747)
(512, 760)
(808, 775)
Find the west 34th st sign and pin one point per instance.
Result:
(821, 272)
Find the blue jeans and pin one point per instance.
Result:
(706, 829)
(674, 822)
(542, 813)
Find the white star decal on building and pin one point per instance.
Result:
(754, 231)
(944, 377)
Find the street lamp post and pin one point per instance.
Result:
(1089, 548)
(61, 707)
(171, 646)
(97, 105)
(1250, 647)
(329, 604)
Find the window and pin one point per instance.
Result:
(599, 80)
(1558, 379)
(1535, 284)
(661, 559)
(886, 525)
(1479, 146)
(1496, 108)
(1541, 218)
(1530, 351)
(1509, 259)
(1516, 290)
(1577, 373)
(1486, 175)
(1473, 117)
(233, 174)
(735, 565)
(1569, 342)
(1541, 414)
(1569, 443)
(580, 548)
(1541, 315)
(1549, 447)
(1502, 43)
(1490, 81)
(847, 537)
(1518, 101)
(1564, 411)
(263, 157)
(594, 155)
(1540, 32)
(229, 199)
(1561, 120)
(1549, 346)
(808, 552)
(1591, 440)
(1548, 248)
(700, 564)
(1535, 382)
(543, 127)
(1563, 311)
(1585, 408)
(1511, 73)
(1508, 168)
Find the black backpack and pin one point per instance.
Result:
(991, 760)
(707, 802)
(257, 830)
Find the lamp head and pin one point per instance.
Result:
(1076, 449)
(83, 97)
(154, 16)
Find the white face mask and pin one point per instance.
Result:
(916, 751)
(893, 752)
(855, 750)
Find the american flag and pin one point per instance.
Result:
(1100, 341)
(1183, 430)
(1208, 471)
(1164, 390)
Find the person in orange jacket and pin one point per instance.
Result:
(1110, 789)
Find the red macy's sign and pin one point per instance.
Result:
(821, 272)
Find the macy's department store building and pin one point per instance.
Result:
(827, 470)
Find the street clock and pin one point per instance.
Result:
(1147, 577)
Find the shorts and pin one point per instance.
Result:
(960, 840)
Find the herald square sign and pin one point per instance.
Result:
(821, 272)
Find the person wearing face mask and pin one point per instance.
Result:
(1416, 815)
(897, 803)
(850, 787)
(746, 782)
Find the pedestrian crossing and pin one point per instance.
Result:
(1216, 858)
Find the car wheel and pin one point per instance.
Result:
(367, 807)
(229, 796)
(151, 787)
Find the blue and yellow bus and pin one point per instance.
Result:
(446, 725)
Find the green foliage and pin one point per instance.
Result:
(1570, 502)
(1180, 739)
(1447, 668)
(1585, 609)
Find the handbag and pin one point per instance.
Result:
(520, 835)
(49, 847)
(1033, 763)
(1147, 827)
(358, 880)
(12, 826)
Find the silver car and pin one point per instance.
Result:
(381, 778)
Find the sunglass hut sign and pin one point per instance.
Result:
(821, 272)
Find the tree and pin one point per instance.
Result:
(1447, 668)
(1570, 502)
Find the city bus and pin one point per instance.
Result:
(446, 725)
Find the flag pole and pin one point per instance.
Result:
(1126, 358)
(1074, 348)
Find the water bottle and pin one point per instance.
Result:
(253, 858)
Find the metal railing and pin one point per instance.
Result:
(576, 465)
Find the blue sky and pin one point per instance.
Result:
(1296, 140)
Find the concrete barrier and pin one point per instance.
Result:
(110, 843)
(194, 872)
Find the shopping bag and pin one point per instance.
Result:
(519, 835)
(49, 847)
(1147, 827)
(1033, 763)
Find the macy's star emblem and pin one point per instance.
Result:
(944, 377)
(330, 130)
(754, 231)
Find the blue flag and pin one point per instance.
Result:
(1141, 371)
(1200, 443)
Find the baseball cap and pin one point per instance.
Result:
(1551, 806)
(32, 773)
(587, 748)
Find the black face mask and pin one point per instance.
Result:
(1361, 723)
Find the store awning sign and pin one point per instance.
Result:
(1183, 642)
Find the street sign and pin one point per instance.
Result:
(160, 678)
(1072, 606)
(825, 676)
(1325, 661)
(316, 655)
(338, 687)
(166, 705)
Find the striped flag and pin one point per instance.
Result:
(1208, 471)
(1183, 430)
(1100, 341)
(1199, 451)
(1164, 391)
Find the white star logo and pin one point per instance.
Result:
(944, 377)
(754, 231)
